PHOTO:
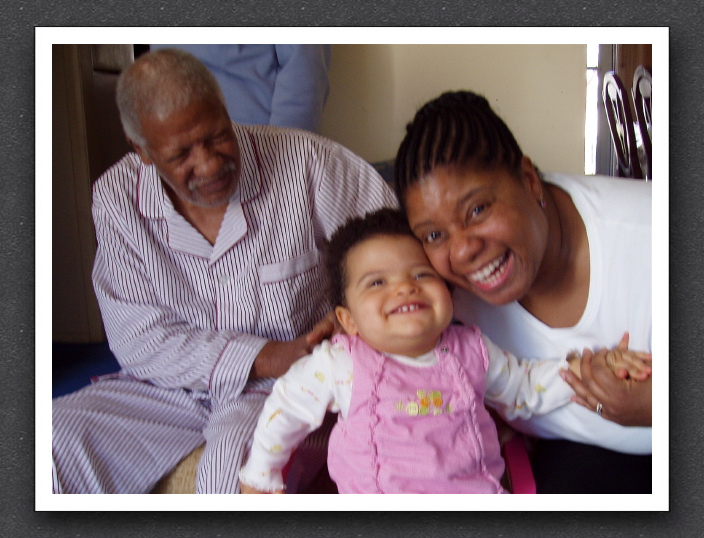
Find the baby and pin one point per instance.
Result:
(409, 386)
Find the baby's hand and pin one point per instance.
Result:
(574, 362)
(250, 490)
(626, 363)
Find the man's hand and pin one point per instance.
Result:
(325, 329)
(275, 358)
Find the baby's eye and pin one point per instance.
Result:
(376, 283)
(478, 209)
(432, 237)
(423, 274)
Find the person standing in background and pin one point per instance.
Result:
(283, 85)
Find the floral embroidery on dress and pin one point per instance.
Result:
(540, 389)
(320, 377)
(426, 402)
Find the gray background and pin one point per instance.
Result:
(17, 515)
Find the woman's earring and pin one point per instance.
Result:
(542, 203)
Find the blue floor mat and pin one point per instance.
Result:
(73, 365)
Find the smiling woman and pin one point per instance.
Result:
(470, 223)
(543, 264)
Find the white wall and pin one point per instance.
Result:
(539, 91)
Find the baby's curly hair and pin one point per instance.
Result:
(384, 221)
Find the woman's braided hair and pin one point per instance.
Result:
(457, 129)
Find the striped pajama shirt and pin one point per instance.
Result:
(186, 319)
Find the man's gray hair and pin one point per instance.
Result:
(160, 83)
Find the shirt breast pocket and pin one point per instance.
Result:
(293, 295)
(280, 271)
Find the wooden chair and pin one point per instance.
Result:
(620, 119)
(642, 99)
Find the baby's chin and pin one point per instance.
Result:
(406, 349)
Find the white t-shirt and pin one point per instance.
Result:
(617, 216)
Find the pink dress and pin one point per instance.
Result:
(418, 429)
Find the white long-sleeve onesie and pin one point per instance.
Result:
(322, 381)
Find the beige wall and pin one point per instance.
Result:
(539, 90)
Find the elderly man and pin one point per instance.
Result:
(209, 279)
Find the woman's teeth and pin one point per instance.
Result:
(490, 272)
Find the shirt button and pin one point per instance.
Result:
(444, 349)
(224, 280)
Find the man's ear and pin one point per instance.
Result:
(140, 151)
(344, 316)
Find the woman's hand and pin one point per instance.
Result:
(625, 401)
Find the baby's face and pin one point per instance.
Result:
(396, 301)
